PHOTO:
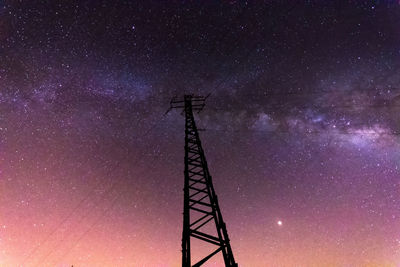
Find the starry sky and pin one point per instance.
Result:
(301, 131)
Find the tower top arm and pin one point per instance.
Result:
(196, 102)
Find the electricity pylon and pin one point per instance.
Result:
(200, 206)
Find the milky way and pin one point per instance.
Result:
(301, 130)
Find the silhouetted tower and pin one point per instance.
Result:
(200, 206)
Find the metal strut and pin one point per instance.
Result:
(199, 193)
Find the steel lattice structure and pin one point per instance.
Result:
(200, 200)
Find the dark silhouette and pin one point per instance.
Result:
(200, 199)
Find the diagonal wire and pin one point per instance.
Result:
(108, 192)
(84, 199)
(98, 219)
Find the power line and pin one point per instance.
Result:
(98, 219)
(105, 195)
(117, 182)
(85, 198)
(312, 132)
(111, 206)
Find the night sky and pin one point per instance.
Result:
(301, 131)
